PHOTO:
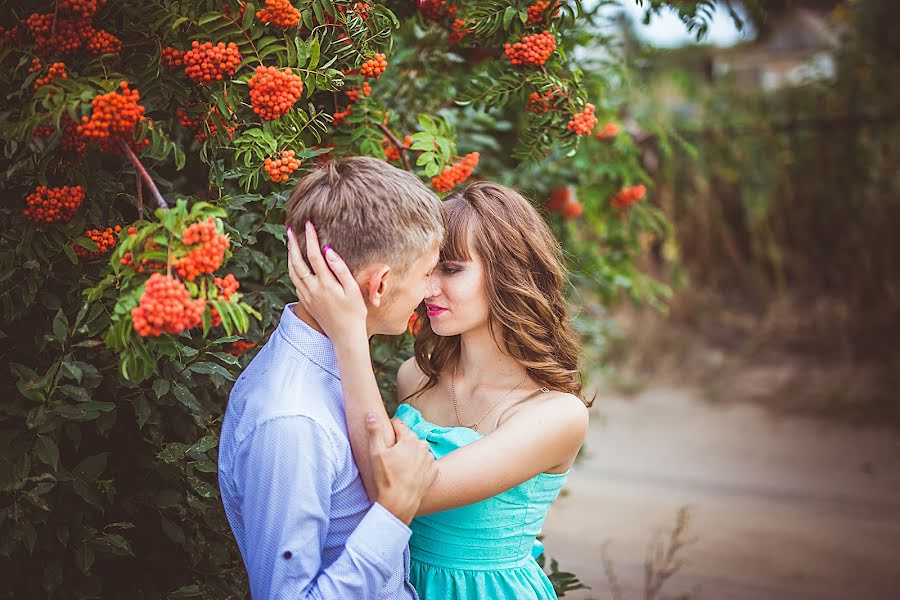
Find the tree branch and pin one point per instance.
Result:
(140, 195)
(400, 147)
(142, 172)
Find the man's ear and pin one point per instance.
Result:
(375, 287)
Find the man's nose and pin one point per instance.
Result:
(434, 286)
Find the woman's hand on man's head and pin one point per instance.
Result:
(328, 290)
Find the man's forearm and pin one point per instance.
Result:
(362, 396)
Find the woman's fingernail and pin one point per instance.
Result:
(370, 417)
(327, 248)
(290, 229)
(308, 224)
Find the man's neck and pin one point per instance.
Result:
(307, 318)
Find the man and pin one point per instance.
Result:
(292, 493)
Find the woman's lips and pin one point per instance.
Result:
(433, 311)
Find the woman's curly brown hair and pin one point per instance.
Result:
(523, 276)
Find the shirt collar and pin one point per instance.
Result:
(309, 342)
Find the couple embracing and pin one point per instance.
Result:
(327, 496)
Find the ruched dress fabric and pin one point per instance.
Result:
(485, 550)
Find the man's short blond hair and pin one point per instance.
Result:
(368, 211)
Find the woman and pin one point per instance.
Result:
(493, 389)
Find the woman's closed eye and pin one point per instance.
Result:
(449, 269)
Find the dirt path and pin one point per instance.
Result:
(783, 508)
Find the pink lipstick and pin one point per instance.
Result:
(433, 310)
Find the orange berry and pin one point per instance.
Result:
(280, 13)
(583, 123)
(374, 67)
(48, 205)
(532, 49)
(274, 92)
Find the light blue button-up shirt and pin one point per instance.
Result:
(292, 493)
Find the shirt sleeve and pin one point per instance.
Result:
(285, 473)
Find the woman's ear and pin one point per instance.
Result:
(376, 287)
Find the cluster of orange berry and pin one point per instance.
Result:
(11, 37)
(51, 204)
(583, 123)
(455, 174)
(80, 8)
(170, 58)
(458, 31)
(391, 151)
(153, 265)
(274, 92)
(532, 49)
(56, 71)
(239, 347)
(563, 200)
(340, 116)
(536, 11)
(280, 13)
(113, 118)
(194, 124)
(103, 42)
(374, 67)
(433, 10)
(36, 65)
(166, 307)
(354, 95)
(71, 139)
(540, 103)
(58, 35)
(607, 132)
(280, 169)
(208, 62)
(628, 195)
(105, 241)
(208, 255)
(227, 286)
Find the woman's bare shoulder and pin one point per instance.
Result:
(409, 378)
(555, 407)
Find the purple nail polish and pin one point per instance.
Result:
(327, 248)
(290, 229)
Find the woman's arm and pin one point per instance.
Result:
(537, 438)
(337, 304)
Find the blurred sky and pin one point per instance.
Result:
(666, 29)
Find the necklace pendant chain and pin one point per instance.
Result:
(474, 426)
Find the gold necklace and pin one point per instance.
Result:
(474, 425)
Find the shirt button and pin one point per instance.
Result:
(287, 554)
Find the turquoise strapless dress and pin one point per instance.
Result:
(485, 550)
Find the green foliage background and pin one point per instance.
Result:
(107, 440)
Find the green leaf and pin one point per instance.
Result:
(205, 443)
(508, 16)
(187, 591)
(85, 411)
(172, 452)
(202, 488)
(84, 558)
(60, 325)
(113, 543)
(70, 254)
(161, 387)
(47, 451)
(186, 397)
(314, 50)
(91, 467)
